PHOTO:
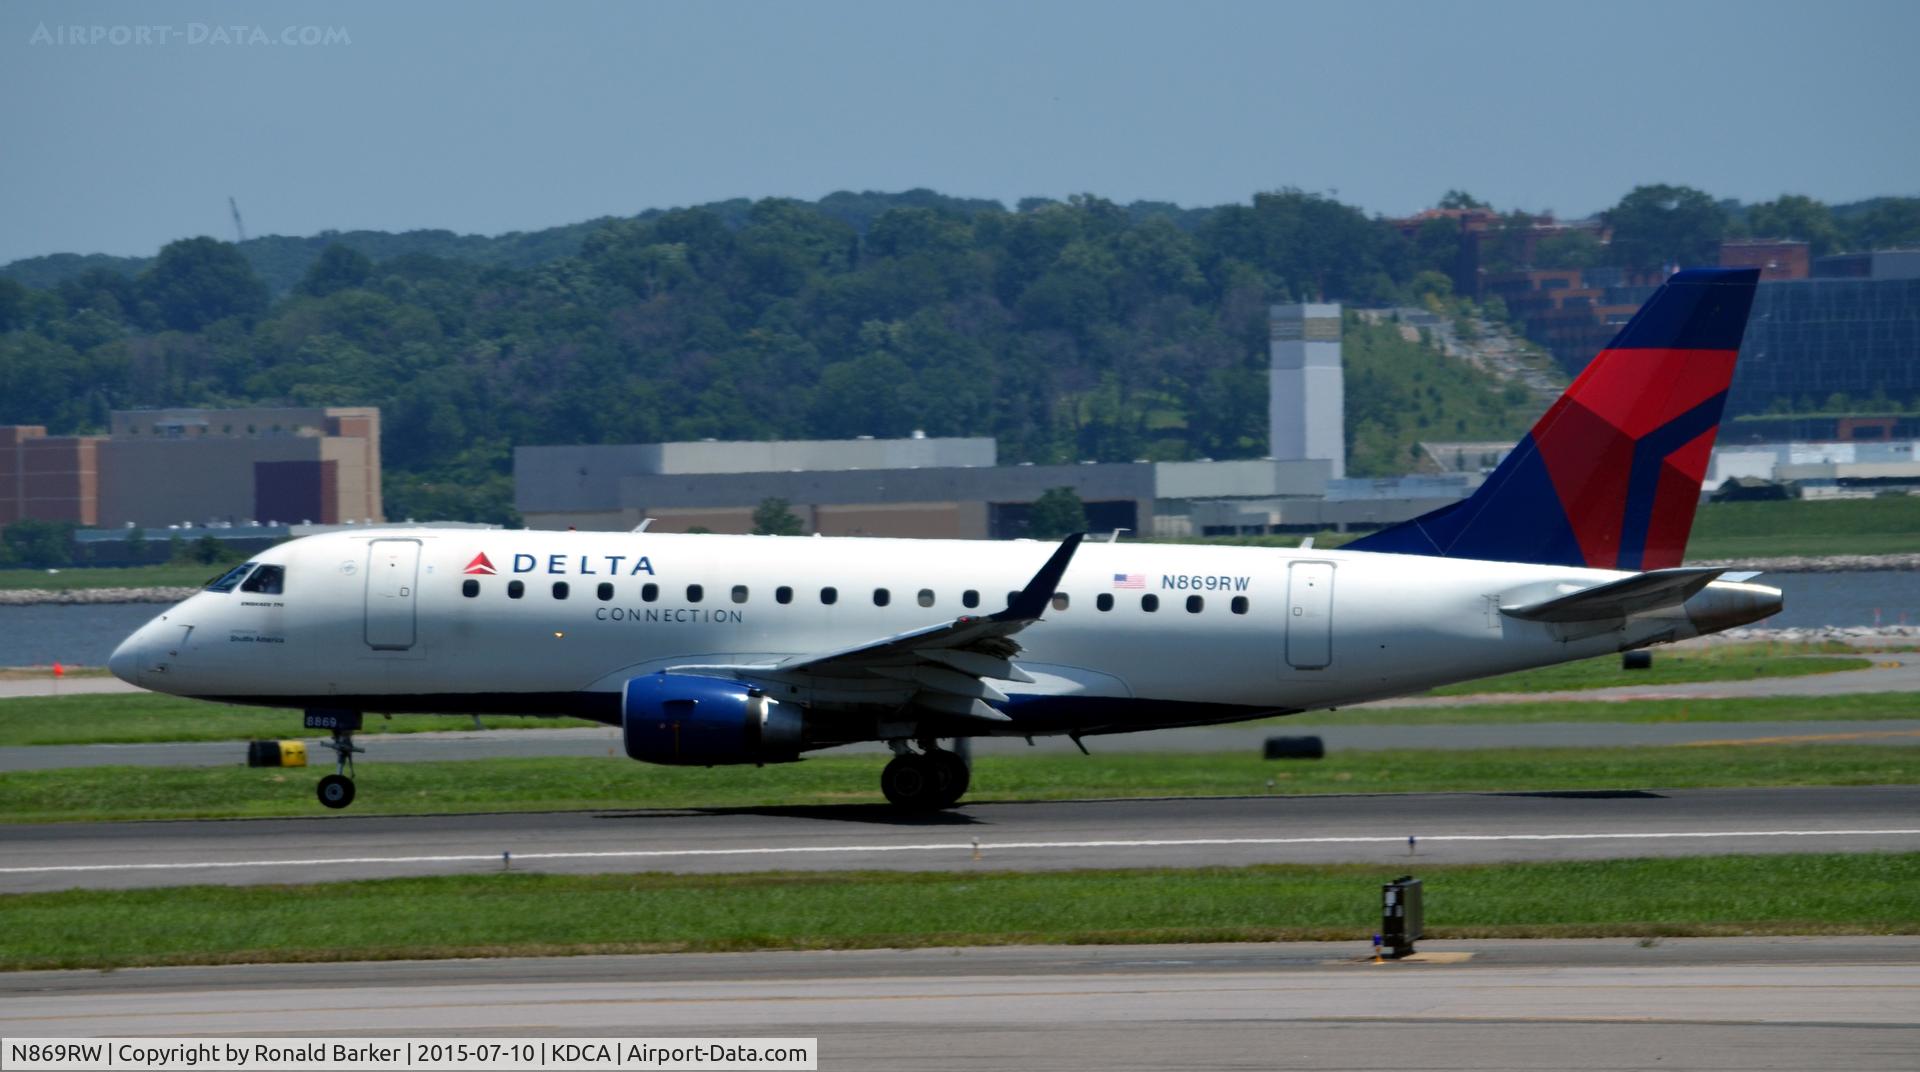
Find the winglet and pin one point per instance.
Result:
(1032, 599)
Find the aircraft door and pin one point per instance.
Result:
(1310, 615)
(393, 578)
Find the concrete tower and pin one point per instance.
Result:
(1306, 410)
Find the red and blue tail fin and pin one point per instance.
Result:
(1610, 475)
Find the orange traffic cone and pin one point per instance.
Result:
(59, 671)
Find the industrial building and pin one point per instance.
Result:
(48, 478)
(199, 467)
(955, 487)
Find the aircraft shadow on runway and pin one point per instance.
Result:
(875, 814)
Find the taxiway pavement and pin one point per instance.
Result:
(1751, 1004)
(1192, 832)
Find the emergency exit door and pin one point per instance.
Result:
(393, 578)
(1310, 615)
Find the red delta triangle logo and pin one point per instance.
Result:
(481, 565)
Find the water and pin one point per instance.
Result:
(74, 635)
(86, 635)
(1878, 597)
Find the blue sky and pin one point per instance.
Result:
(489, 117)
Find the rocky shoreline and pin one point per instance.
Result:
(27, 597)
(1811, 564)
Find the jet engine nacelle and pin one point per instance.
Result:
(689, 720)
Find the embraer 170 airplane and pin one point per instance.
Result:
(709, 649)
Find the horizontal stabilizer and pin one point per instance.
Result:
(1642, 592)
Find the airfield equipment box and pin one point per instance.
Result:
(1402, 915)
(1295, 748)
(276, 753)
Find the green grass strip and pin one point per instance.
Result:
(512, 914)
(145, 718)
(101, 793)
(1742, 663)
(1842, 707)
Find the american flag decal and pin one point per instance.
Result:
(1129, 580)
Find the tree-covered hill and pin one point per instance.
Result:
(1067, 330)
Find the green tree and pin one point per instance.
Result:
(1056, 513)
(1662, 224)
(1891, 222)
(13, 304)
(1798, 217)
(1461, 199)
(38, 544)
(136, 545)
(774, 518)
(207, 550)
(1569, 249)
(197, 281)
(339, 268)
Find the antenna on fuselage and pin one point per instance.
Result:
(642, 526)
(1115, 537)
(1306, 543)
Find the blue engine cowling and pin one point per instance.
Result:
(685, 719)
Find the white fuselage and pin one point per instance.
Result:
(378, 620)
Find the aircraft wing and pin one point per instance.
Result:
(1617, 599)
(946, 667)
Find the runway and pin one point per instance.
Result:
(1217, 831)
(1794, 1003)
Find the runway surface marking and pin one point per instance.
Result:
(947, 846)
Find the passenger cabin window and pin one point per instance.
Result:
(926, 597)
(516, 589)
(1239, 604)
(560, 589)
(469, 588)
(1149, 602)
(649, 592)
(695, 593)
(267, 580)
(739, 593)
(829, 596)
(1103, 601)
(226, 581)
(1060, 601)
(970, 598)
(882, 597)
(604, 590)
(1196, 604)
(783, 594)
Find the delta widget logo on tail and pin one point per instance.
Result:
(481, 565)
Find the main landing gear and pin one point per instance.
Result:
(928, 780)
(336, 789)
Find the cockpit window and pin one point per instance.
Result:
(267, 580)
(226, 581)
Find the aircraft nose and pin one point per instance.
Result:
(124, 663)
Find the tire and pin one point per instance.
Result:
(335, 791)
(955, 777)
(912, 783)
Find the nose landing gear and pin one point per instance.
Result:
(336, 789)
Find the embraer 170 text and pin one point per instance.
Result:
(712, 650)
